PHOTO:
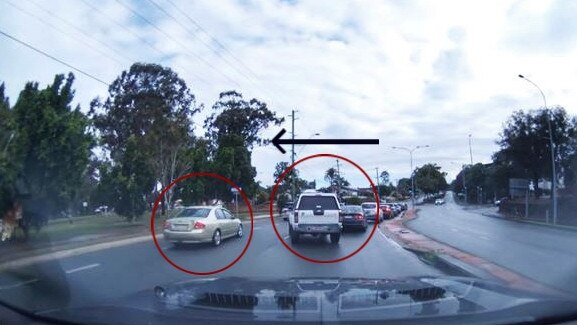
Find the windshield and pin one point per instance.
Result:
(369, 206)
(352, 209)
(312, 202)
(192, 213)
(277, 161)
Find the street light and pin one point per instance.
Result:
(302, 148)
(411, 150)
(552, 145)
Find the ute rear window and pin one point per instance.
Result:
(311, 202)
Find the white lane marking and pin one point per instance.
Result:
(82, 268)
(391, 241)
(165, 247)
(287, 237)
(484, 237)
(257, 228)
(454, 229)
(19, 284)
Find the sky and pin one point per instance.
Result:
(409, 73)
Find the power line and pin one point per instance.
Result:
(53, 58)
(230, 53)
(63, 31)
(200, 58)
(214, 39)
(79, 30)
(193, 34)
(142, 39)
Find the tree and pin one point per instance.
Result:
(404, 187)
(53, 141)
(525, 144)
(146, 125)
(234, 129)
(384, 177)
(8, 167)
(429, 179)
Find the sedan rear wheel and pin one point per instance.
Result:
(216, 239)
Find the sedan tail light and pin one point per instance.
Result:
(359, 217)
(166, 225)
(199, 225)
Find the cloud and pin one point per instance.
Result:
(407, 73)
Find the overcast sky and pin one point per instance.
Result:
(407, 73)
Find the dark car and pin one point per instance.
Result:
(353, 217)
(387, 212)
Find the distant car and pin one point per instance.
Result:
(370, 210)
(501, 200)
(202, 224)
(287, 210)
(439, 202)
(354, 217)
(387, 211)
(101, 209)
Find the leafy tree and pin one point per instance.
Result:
(8, 167)
(430, 179)
(234, 129)
(404, 186)
(525, 144)
(146, 125)
(335, 180)
(384, 177)
(53, 144)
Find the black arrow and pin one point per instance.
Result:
(277, 141)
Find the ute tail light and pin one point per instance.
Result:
(199, 225)
(359, 217)
(296, 217)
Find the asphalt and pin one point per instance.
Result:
(101, 276)
(544, 254)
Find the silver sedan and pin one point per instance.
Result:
(202, 224)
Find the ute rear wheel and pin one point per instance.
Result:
(293, 235)
(335, 238)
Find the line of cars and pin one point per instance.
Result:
(318, 214)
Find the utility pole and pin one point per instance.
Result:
(338, 180)
(293, 185)
(378, 182)
(470, 150)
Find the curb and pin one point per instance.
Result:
(72, 252)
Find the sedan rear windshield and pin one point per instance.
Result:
(311, 203)
(352, 209)
(369, 205)
(192, 213)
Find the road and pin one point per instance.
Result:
(107, 274)
(542, 253)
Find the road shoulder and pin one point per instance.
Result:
(451, 257)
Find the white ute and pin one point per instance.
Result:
(317, 214)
